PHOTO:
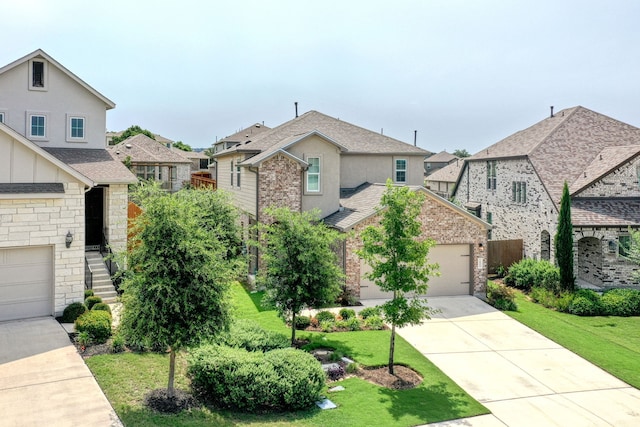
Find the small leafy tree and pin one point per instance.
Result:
(182, 146)
(461, 153)
(563, 242)
(631, 251)
(300, 266)
(131, 131)
(175, 291)
(398, 258)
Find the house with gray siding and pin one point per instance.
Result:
(516, 185)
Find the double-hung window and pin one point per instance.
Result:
(401, 170)
(491, 175)
(238, 173)
(519, 192)
(313, 175)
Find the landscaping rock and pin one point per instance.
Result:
(326, 404)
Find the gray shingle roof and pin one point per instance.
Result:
(605, 212)
(27, 187)
(441, 157)
(189, 154)
(449, 173)
(96, 164)
(562, 147)
(608, 159)
(245, 134)
(143, 149)
(353, 138)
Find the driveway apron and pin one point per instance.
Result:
(44, 381)
(523, 378)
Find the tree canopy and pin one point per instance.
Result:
(461, 152)
(129, 132)
(182, 146)
(563, 242)
(300, 266)
(175, 289)
(398, 258)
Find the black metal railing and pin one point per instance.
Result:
(88, 275)
(110, 261)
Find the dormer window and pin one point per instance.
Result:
(37, 74)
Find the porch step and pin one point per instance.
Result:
(102, 284)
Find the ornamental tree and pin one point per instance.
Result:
(563, 242)
(398, 258)
(175, 290)
(300, 266)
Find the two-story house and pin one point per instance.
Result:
(516, 185)
(435, 162)
(315, 161)
(61, 192)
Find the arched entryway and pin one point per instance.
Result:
(590, 260)
(545, 245)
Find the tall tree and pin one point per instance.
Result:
(175, 291)
(131, 131)
(300, 266)
(461, 152)
(398, 258)
(563, 242)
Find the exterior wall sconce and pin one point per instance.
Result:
(612, 246)
(481, 246)
(68, 239)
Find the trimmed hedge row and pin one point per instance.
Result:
(248, 334)
(530, 272)
(278, 380)
(585, 302)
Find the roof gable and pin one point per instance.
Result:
(42, 54)
(605, 162)
(245, 134)
(449, 173)
(441, 157)
(142, 149)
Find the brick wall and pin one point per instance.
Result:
(45, 222)
(622, 182)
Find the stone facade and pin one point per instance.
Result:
(438, 222)
(622, 182)
(46, 222)
(279, 184)
(117, 197)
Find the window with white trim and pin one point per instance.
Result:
(313, 175)
(401, 170)
(519, 192)
(144, 172)
(491, 175)
(37, 125)
(238, 170)
(38, 74)
(76, 128)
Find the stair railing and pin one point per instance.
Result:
(88, 275)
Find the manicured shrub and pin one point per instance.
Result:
(278, 380)
(347, 313)
(374, 322)
(302, 322)
(621, 302)
(370, 311)
(117, 343)
(249, 335)
(564, 301)
(327, 325)
(529, 272)
(325, 315)
(84, 339)
(501, 297)
(586, 303)
(335, 373)
(88, 293)
(91, 301)
(96, 323)
(353, 324)
(102, 306)
(72, 312)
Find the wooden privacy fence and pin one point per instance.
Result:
(503, 252)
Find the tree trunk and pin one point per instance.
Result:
(293, 329)
(392, 346)
(172, 371)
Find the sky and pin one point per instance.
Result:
(463, 74)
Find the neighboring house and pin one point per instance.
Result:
(516, 185)
(460, 251)
(159, 138)
(308, 162)
(61, 192)
(239, 137)
(435, 162)
(151, 160)
(443, 181)
(199, 161)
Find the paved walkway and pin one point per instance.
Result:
(44, 381)
(523, 378)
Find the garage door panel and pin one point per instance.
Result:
(26, 282)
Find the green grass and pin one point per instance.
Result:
(612, 343)
(125, 378)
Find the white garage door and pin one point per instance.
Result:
(26, 282)
(454, 279)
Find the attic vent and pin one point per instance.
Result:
(551, 111)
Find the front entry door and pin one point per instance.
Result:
(94, 217)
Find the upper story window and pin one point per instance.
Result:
(401, 170)
(519, 192)
(37, 125)
(37, 74)
(491, 175)
(238, 173)
(231, 173)
(313, 175)
(76, 128)
(2, 120)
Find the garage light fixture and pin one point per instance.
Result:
(68, 239)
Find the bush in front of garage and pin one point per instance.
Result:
(96, 323)
(72, 312)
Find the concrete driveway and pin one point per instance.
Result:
(523, 378)
(44, 381)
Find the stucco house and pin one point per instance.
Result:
(61, 192)
(435, 162)
(150, 159)
(516, 185)
(312, 162)
(443, 181)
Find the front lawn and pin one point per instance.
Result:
(612, 343)
(125, 378)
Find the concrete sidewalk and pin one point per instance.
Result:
(44, 381)
(523, 378)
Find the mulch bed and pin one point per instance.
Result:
(403, 378)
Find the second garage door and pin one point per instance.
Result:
(26, 282)
(454, 279)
